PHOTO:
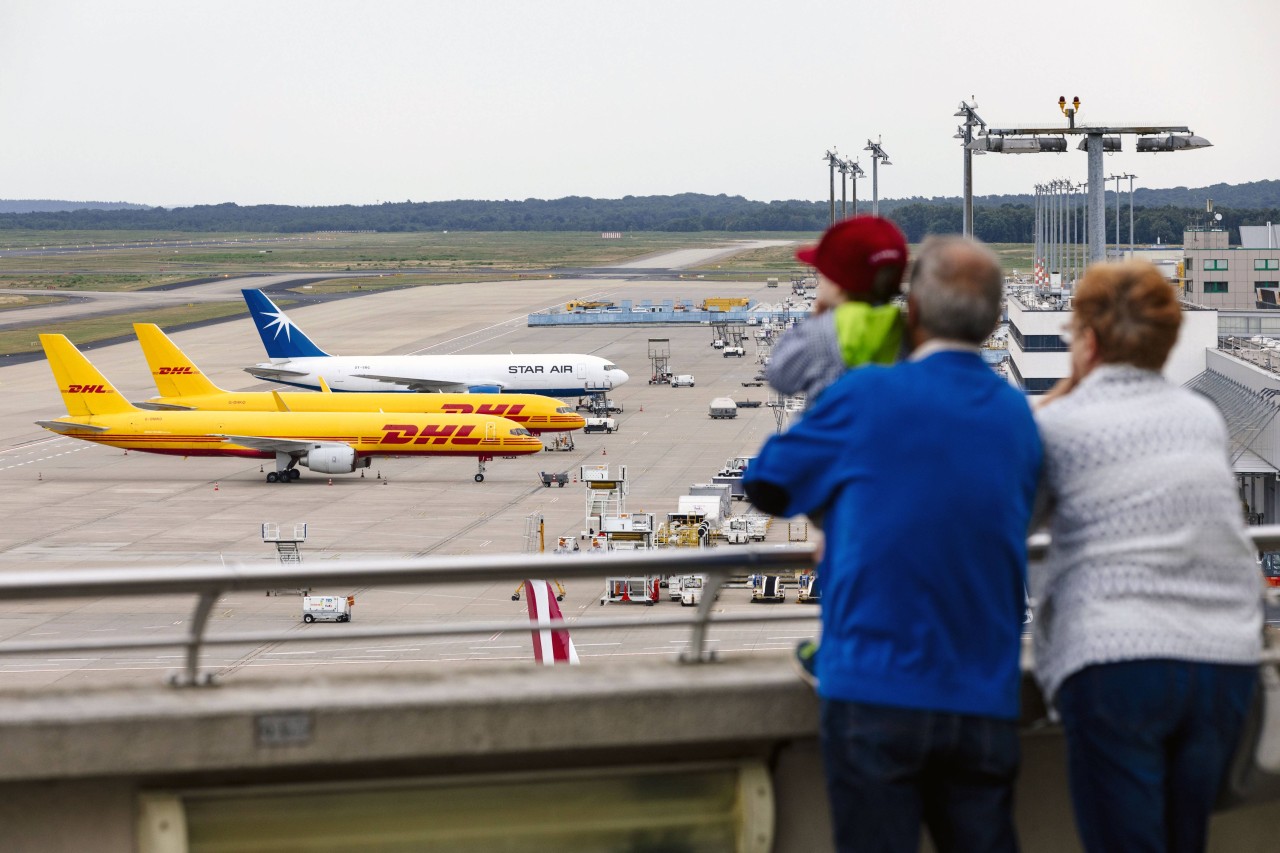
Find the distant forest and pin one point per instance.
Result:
(1158, 215)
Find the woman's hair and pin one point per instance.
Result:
(1132, 311)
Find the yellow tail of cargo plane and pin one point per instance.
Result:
(325, 442)
(183, 386)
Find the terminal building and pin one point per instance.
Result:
(1228, 348)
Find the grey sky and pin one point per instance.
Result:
(325, 102)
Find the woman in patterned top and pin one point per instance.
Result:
(1149, 628)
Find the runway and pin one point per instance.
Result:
(71, 505)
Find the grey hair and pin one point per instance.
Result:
(956, 286)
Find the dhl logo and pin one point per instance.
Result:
(175, 371)
(429, 434)
(87, 389)
(500, 409)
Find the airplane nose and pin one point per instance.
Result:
(619, 376)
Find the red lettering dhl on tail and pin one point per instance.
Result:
(458, 408)
(88, 389)
(175, 371)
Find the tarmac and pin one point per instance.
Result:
(72, 505)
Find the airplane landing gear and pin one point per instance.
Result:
(480, 468)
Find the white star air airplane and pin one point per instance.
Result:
(296, 360)
(327, 442)
(183, 386)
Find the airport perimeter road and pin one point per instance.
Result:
(67, 504)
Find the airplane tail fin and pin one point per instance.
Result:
(550, 645)
(85, 391)
(175, 374)
(279, 335)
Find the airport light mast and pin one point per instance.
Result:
(1130, 177)
(833, 162)
(1097, 140)
(878, 157)
(855, 172)
(964, 132)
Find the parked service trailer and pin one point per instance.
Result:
(327, 608)
(723, 407)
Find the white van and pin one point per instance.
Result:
(684, 380)
(327, 608)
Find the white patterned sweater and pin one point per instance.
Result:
(1149, 556)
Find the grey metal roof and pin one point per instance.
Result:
(1247, 413)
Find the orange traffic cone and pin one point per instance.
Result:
(215, 485)
(626, 591)
(330, 481)
(604, 452)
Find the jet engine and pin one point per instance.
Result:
(333, 459)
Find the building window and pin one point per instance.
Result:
(1215, 286)
(1261, 284)
(1215, 265)
(1267, 264)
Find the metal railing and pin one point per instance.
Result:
(209, 583)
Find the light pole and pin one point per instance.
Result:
(832, 160)
(971, 118)
(878, 156)
(1151, 138)
(855, 172)
(844, 185)
(1117, 179)
(1130, 177)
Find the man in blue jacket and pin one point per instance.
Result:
(923, 476)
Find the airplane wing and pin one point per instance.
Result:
(262, 371)
(69, 427)
(292, 446)
(419, 384)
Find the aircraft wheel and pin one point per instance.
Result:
(308, 618)
(283, 477)
(294, 473)
(479, 478)
(273, 477)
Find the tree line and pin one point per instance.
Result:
(1009, 221)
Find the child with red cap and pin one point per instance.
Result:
(860, 264)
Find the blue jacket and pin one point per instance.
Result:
(923, 475)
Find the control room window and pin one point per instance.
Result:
(1215, 286)
(1267, 264)
(1215, 265)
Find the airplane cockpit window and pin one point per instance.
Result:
(564, 410)
(520, 431)
(611, 367)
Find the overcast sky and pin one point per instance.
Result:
(322, 102)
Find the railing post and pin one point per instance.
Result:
(191, 676)
(697, 651)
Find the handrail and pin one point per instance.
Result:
(210, 582)
(207, 583)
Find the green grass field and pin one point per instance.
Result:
(412, 259)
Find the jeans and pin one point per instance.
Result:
(1149, 743)
(888, 770)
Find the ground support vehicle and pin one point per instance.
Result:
(559, 479)
(691, 590)
(723, 407)
(767, 589)
(734, 352)
(635, 590)
(600, 425)
(807, 593)
(684, 380)
(563, 441)
(327, 608)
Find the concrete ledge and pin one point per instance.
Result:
(453, 717)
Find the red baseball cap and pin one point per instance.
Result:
(866, 255)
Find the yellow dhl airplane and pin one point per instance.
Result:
(325, 442)
(183, 386)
